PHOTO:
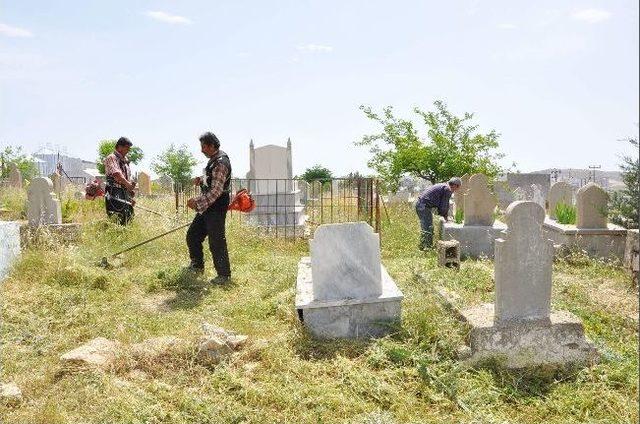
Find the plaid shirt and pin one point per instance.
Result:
(112, 165)
(218, 177)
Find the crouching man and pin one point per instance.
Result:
(211, 207)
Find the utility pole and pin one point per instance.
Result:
(555, 172)
(593, 170)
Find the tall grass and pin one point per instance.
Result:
(565, 213)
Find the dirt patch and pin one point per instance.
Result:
(159, 302)
(615, 298)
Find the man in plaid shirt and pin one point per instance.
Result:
(211, 207)
(119, 188)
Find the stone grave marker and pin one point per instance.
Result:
(560, 192)
(43, 206)
(479, 202)
(591, 207)
(144, 183)
(15, 176)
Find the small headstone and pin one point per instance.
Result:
(216, 343)
(536, 195)
(144, 183)
(449, 253)
(479, 202)
(591, 207)
(43, 206)
(560, 192)
(15, 176)
(523, 266)
(458, 196)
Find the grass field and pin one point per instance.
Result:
(56, 298)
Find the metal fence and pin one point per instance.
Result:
(293, 208)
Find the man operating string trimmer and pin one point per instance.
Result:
(120, 188)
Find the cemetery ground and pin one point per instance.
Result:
(56, 298)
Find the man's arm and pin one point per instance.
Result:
(112, 169)
(443, 207)
(202, 202)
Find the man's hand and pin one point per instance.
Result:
(197, 181)
(191, 203)
(133, 202)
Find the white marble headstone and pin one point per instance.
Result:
(345, 262)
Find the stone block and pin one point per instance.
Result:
(475, 241)
(347, 318)
(602, 243)
(448, 253)
(560, 341)
(479, 202)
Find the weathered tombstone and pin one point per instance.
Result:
(504, 194)
(343, 290)
(560, 192)
(520, 331)
(479, 202)
(519, 195)
(56, 180)
(15, 176)
(591, 207)
(536, 195)
(458, 196)
(43, 206)
(144, 183)
(523, 266)
(526, 180)
(9, 245)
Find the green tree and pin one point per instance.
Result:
(317, 173)
(623, 209)
(452, 147)
(26, 165)
(106, 147)
(175, 163)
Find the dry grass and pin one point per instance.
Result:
(56, 298)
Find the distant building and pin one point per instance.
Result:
(78, 170)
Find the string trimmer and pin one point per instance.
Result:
(107, 196)
(105, 263)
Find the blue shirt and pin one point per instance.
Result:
(436, 196)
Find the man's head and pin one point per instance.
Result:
(209, 144)
(123, 145)
(454, 184)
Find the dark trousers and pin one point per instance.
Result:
(210, 224)
(426, 225)
(121, 212)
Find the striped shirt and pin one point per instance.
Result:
(218, 177)
(112, 165)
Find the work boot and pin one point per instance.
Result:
(194, 269)
(220, 280)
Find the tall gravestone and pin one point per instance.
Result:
(43, 206)
(591, 207)
(458, 196)
(271, 183)
(560, 192)
(479, 229)
(144, 183)
(343, 290)
(520, 330)
(56, 180)
(479, 202)
(523, 263)
(15, 176)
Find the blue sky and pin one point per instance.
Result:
(558, 79)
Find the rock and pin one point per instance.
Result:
(158, 347)
(99, 352)
(217, 343)
(10, 393)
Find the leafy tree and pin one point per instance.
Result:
(624, 204)
(26, 165)
(317, 173)
(106, 147)
(175, 163)
(452, 147)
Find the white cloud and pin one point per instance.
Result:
(315, 48)
(592, 16)
(507, 26)
(168, 18)
(11, 31)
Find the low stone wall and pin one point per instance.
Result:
(475, 241)
(605, 243)
(62, 233)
